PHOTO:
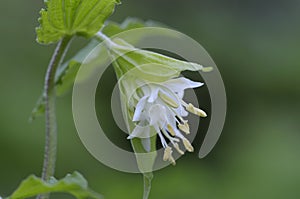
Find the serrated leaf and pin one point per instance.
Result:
(74, 184)
(72, 17)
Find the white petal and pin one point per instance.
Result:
(146, 144)
(139, 108)
(180, 94)
(157, 114)
(180, 84)
(154, 94)
(140, 132)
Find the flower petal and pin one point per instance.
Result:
(140, 132)
(153, 95)
(157, 114)
(146, 142)
(139, 108)
(180, 84)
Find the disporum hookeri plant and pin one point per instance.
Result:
(150, 84)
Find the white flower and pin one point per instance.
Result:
(160, 106)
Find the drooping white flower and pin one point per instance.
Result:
(160, 106)
(151, 94)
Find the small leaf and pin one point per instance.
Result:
(39, 108)
(72, 17)
(67, 79)
(74, 184)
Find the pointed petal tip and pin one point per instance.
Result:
(196, 67)
(207, 69)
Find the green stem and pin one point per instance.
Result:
(147, 184)
(50, 116)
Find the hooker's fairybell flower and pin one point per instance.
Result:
(151, 96)
(160, 105)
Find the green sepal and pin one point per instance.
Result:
(145, 159)
(148, 65)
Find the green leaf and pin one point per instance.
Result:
(72, 17)
(65, 82)
(39, 108)
(74, 184)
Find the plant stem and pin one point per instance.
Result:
(147, 184)
(50, 115)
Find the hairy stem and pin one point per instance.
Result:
(50, 116)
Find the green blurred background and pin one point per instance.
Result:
(256, 45)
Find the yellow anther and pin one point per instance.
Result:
(168, 155)
(190, 107)
(184, 127)
(172, 161)
(168, 100)
(171, 130)
(176, 146)
(187, 145)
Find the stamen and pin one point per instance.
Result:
(179, 119)
(162, 140)
(184, 127)
(176, 146)
(187, 145)
(190, 107)
(168, 155)
(172, 161)
(172, 139)
(168, 100)
(171, 130)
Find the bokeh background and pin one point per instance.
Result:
(256, 45)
